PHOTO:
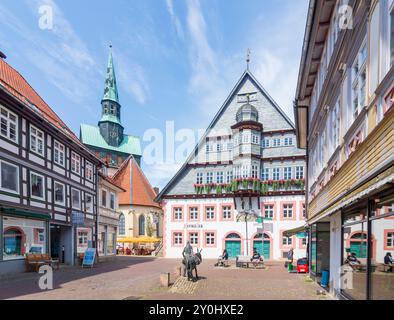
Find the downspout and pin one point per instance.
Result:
(97, 214)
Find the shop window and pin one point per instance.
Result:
(84, 239)
(9, 177)
(382, 238)
(23, 236)
(122, 225)
(355, 252)
(110, 243)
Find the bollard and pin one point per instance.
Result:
(165, 280)
(178, 271)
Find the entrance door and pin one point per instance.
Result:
(233, 248)
(55, 242)
(264, 251)
(359, 248)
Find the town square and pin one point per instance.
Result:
(197, 150)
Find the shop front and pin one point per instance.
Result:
(319, 249)
(22, 232)
(367, 248)
(107, 239)
(83, 233)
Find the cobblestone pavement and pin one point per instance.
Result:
(138, 278)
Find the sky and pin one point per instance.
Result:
(175, 60)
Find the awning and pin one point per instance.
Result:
(300, 232)
(143, 239)
(25, 213)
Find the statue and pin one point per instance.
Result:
(190, 261)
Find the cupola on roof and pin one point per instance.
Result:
(247, 112)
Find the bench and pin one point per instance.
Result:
(245, 262)
(35, 260)
(386, 267)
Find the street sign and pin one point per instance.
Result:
(89, 256)
(77, 217)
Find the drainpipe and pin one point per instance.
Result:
(97, 214)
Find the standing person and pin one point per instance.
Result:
(290, 256)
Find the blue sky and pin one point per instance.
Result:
(175, 60)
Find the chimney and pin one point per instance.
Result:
(156, 190)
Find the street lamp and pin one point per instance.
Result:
(247, 215)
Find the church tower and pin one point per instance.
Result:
(110, 126)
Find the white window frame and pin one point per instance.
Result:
(61, 154)
(276, 142)
(220, 177)
(5, 119)
(210, 238)
(43, 186)
(86, 202)
(200, 178)
(265, 174)
(17, 178)
(72, 199)
(64, 193)
(288, 211)
(193, 238)
(178, 238)
(89, 171)
(41, 140)
(287, 173)
(209, 177)
(276, 174)
(227, 212)
(178, 213)
(75, 162)
(210, 213)
(265, 143)
(229, 177)
(193, 213)
(287, 241)
(356, 80)
(299, 172)
(269, 208)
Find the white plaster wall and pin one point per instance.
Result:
(222, 228)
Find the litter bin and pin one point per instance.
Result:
(290, 267)
(325, 278)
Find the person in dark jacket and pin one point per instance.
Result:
(256, 258)
(388, 259)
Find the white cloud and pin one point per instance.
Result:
(132, 78)
(160, 173)
(174, 18)
(61, 56)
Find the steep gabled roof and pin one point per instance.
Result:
(15, 84)
(246, 74)
(112, 182)
(138, 189)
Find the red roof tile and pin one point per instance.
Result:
(138, 189)
(14, 83)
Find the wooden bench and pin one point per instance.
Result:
(35, 260)
(386, 267)
(245, 262)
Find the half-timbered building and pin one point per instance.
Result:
(48, 179)
(243, 186)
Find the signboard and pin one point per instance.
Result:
(193, 226)
(77, 217)
(89, 257)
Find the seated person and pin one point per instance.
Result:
(352, 260)
(388, 259)
(222, 258)
(128, 251)
(256, 258)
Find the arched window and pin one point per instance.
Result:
(122, 228)
(233, 236)
(13, 242)
(258, 236)
(141, 225)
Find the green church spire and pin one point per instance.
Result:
(111, 89)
